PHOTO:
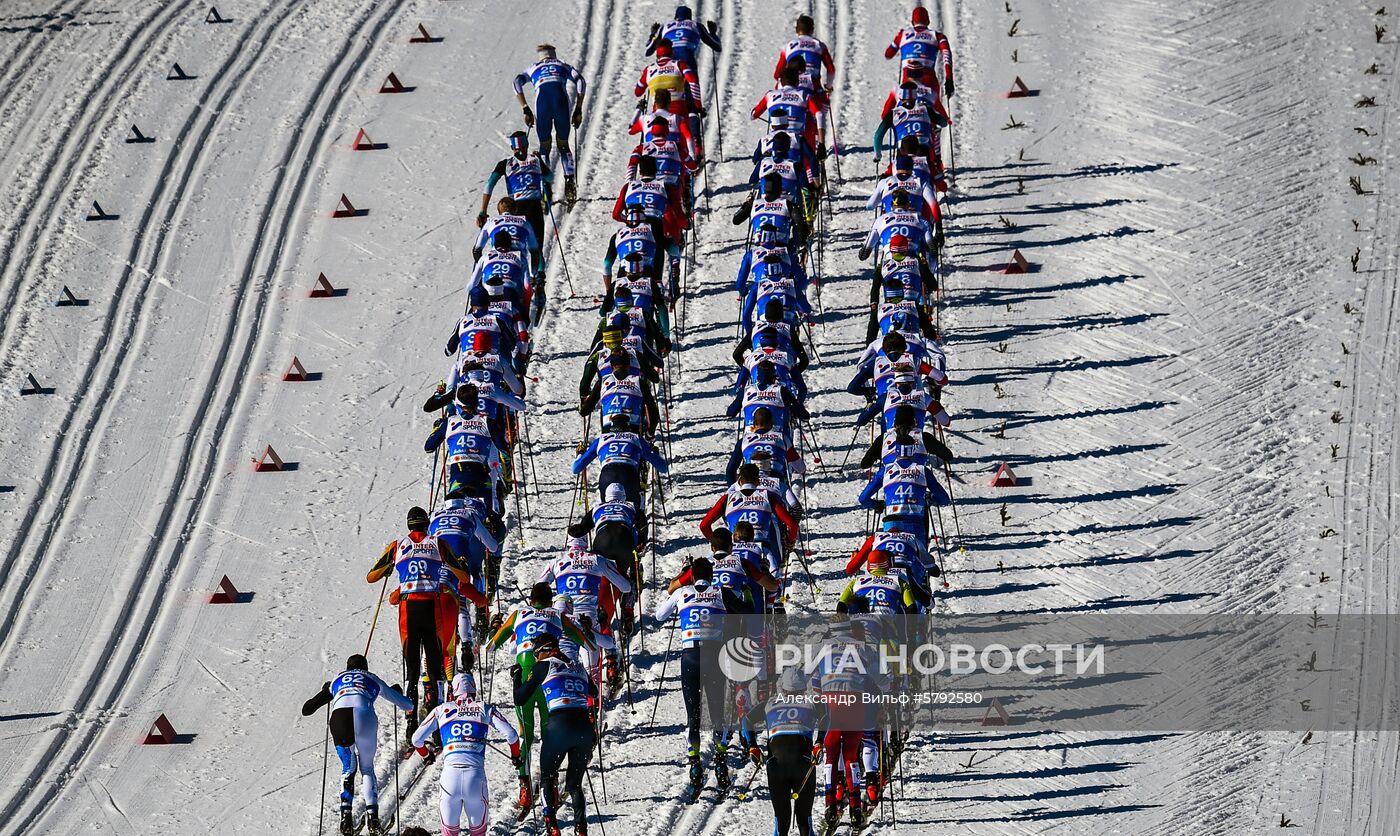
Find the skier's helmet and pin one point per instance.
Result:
(356, 662)
(615, 493)
(683, 13)
(417, 519)
(919, 17)
(899, 244)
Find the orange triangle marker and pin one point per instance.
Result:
(269, 462)
(162, 732)
(364, 143)
(1017, 264)
(1005, 477)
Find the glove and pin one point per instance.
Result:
(821, 152)
(817, 750)
(396, 688)
(446, 352)
(863, 253)
(710, 25)
(586, 624)
(516, 762)
(515, 674)
(702, 111)
(948, 86)
(935, 571)
(877, 159)
(578, 117)
(529, 116)
(581, 446)
(441, 386)
(879, 506)
(756, 755)
(480, 219)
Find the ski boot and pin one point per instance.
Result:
(858, 820)
(372, 822)
(697, 779)
(833, 818)
(614, 674)
(526, 796)
(721, 763)
(570, 193)
(479, 625)
(756, 756)
(872, 787)
(347, 820)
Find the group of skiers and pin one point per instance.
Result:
(571, 630)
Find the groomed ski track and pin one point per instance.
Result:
(1166, 377)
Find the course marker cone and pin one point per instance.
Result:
(423, 37)
(1017, 264)
(1005, 477)
(227, 593)
(269, 462)
(162, 732)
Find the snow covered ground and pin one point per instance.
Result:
(1173, 377)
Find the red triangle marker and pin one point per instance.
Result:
(296, 372)
(323, 289)
(423, 37)
(364, 143)
(268, 462)
(1005, 477)
(162, 732)
(1017, 264)
(1002, 718)
(227, 593)
(393, 85)
(1019, 90)
(346, 209)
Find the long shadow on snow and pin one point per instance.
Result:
(1055, 366)
(998, 296)
(1070, 323)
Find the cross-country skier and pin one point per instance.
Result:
(572, 699)
(921, 50)
(525, 624)
(417, 560)
(699, 605)
(528, 179)
(792, 718)
(355, 730)
(816, 58)
(551, 116)
(685, 37)
(464, 723)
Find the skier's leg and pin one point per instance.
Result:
(690, 693)
(526, 714)
(447, 612)
(779, 787)
(450, 799)
(366, 739)
(580, 735)
(552, 751)
(476, 798)
(343, 735)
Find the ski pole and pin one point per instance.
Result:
(665, 659)
(563, 259)
(598, 811)
(849, 447)
(744, 793)
(375, 621)
(398, 798)
(325, 760)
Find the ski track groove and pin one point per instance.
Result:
(133, 328)
(194, 508)
(85, 133)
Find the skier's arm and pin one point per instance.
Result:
(503, 725)
(649, 454)
(436, 437)
(491, 180)
(858, 557)
(323, 697)
(390, 695)
(506, 630)
(384, 564)
(526, 689)
(424, 732)
(707, 524)
(872, 453)
(615, 577)
(667, 606)
(586, 456)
